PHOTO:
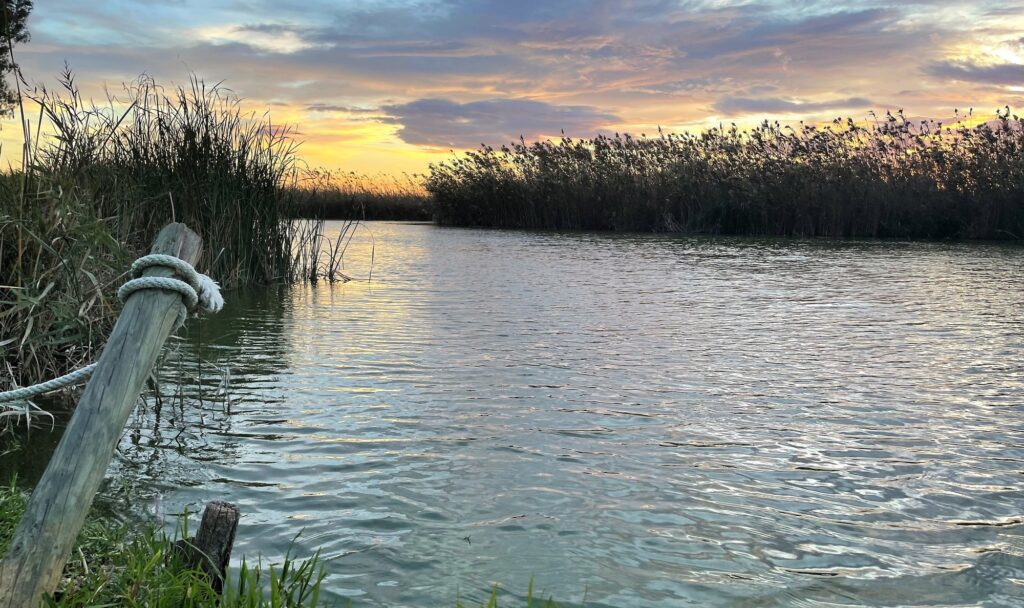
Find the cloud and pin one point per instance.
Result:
(1001, 73)
(268, 38)
(750, 30)
(446, 123)
(777, 105)
(412, 71)
(330, 107)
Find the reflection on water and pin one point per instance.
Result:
(643, 421)
(24, 459)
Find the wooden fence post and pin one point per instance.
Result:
(57, 508)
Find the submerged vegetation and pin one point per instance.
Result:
(890, 178)
(94, 193)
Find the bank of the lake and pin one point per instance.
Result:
(135, 564)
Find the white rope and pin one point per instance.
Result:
(76, 377)
(198, 293)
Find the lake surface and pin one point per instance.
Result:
(629, 420)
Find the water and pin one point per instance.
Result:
(629, 420)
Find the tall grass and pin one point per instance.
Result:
(191, 154)
(890, 178)
(58, 266)
(99, 181)
(355, 196)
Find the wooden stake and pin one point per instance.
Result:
(56, 511)
(211, 547)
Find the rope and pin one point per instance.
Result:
(198, 293)
(76, 377)
(197, 290)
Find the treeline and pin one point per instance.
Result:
(892, 177)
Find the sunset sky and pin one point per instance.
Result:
(389, 86)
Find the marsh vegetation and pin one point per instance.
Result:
(95, 191)
(889, 177)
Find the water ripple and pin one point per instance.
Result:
(640, 420)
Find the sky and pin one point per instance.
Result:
(389, 86)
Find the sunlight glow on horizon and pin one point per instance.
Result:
(390, 86)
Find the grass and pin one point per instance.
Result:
(116, 564)
(92, 195)
(890, 178)
(492, 600)
(189, 154)
(352, 196)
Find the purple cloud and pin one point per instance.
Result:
(776, 105)
(446, 123)
(1003, 73)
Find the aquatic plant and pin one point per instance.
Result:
(492, 600)
(891, 177)
(190, 154)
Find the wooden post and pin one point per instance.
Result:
(211, 547)
(57, 508)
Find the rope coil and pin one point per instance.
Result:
(199, 293)
(197, 290)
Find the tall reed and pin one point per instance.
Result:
(190, 154)
(97, 184)
(890, 178)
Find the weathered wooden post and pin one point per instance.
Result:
(56, 511)
(211, 547)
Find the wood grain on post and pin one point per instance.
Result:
(214, 539)
(34, 562)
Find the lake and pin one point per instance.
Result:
(629, 420)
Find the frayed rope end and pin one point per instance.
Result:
(210, 299)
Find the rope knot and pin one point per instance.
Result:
(198, 291)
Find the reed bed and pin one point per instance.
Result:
(355, 196)
(892, 177)
(190, 154)
(100, 183)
